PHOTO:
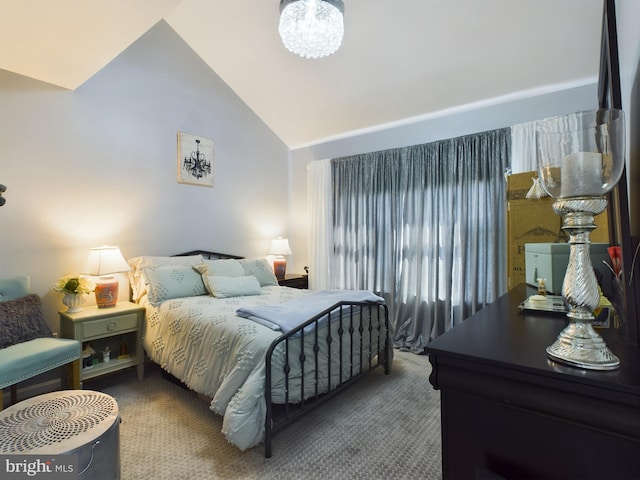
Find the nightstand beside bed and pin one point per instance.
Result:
(294, 281)
(119, 328)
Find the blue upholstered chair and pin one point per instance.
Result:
(28, 347)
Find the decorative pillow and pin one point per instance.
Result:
(22, 319)
(225, 268)
(225, 287)
(172, 281)
(259, 268)
(137, 264)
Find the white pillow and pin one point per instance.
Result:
(225, 287)
(172, 281)
(259, 268)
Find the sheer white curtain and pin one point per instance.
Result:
(320, 227)
(524, 157)
(523, 147)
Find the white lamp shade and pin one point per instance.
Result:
(279, 246)
(105, 261)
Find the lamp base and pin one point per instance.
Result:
(579, 345)
(107, 292)
(279, 267)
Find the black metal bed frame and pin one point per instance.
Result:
(369, 319)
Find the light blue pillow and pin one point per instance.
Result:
(224, 268)
(138, 264)
(172, 281)
(225, 287)
(259, 268)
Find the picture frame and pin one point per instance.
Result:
(195, 160)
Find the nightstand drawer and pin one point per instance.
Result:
(111, 325)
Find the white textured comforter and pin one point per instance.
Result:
(201, 341)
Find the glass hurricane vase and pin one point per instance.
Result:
(580, 159)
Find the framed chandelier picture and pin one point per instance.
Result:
(195, 160)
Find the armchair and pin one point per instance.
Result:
(27, 346)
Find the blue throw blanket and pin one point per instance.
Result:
(287, 316)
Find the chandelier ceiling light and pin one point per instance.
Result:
(311, 28)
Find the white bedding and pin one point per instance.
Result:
(201, 341)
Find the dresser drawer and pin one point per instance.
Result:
(111, 325)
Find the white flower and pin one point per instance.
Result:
(74, 284)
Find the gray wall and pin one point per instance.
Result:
(493, 115)
(98, 166)
(490, 115)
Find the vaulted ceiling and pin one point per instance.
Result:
(400, 59)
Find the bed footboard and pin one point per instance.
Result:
(321, 357)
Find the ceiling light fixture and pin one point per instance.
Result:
(311, 28)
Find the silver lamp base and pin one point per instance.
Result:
(579, 345)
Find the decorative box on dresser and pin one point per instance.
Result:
(509, 412)
(294, 281)
(119, 328)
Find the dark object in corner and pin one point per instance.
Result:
(176, 381)
(2, 190)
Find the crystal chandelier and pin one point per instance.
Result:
(311, 28)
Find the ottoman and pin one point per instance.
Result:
(80, 424)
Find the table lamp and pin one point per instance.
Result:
(279, 248)
(103, 262)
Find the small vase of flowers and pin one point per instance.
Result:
(74, 289)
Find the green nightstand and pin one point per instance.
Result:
(117, 328)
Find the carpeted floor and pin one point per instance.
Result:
(382, 427)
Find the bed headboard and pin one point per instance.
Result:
(208, 255)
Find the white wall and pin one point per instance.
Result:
(98, 166)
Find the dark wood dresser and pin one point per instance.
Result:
(509, 412)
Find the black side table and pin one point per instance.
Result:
(294, 280)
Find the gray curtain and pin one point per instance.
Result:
(425, 226)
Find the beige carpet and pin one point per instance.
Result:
(383, 427)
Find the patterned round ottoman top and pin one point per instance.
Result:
(57, 422)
